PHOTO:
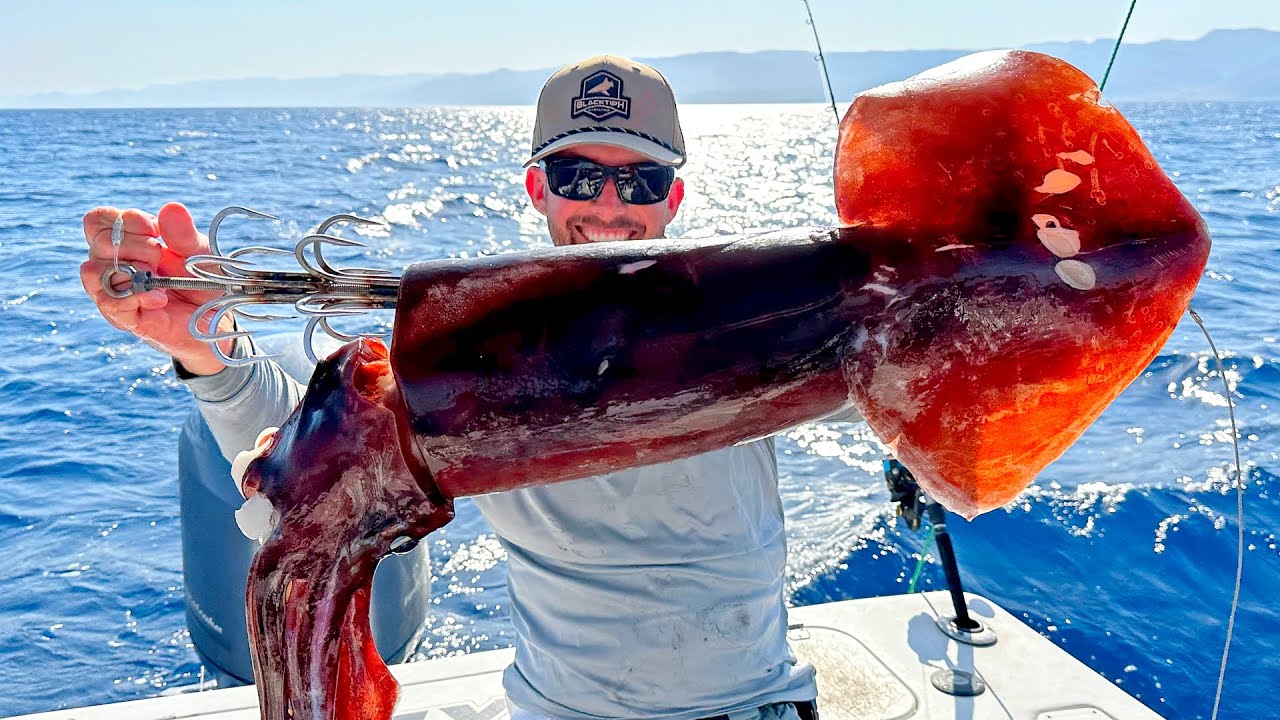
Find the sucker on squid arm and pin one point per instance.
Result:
(1013, 259)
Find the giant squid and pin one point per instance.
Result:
(1010, 258)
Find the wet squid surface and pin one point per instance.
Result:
(1012, 258)
(1045, 259)
(337, 497)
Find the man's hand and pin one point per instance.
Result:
(162, 245)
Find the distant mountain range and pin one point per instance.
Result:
(1222, 65)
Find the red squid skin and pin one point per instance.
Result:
(969, 154)
(336, 475)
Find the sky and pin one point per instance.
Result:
(83, 46)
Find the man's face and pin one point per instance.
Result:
(606, 217)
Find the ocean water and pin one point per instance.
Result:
(1123, 553)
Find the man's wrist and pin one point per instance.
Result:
(212, 381)
(194, 370)
(210, 364)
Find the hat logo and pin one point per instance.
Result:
(601, 98)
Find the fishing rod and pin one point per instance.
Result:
(912, 504)
(822, 59)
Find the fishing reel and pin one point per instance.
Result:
(913, 506)
(904, 492)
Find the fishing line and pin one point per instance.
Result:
(1119, 38)
(1235, 438)
(821, 58)
(924, 554)
(1235, 441)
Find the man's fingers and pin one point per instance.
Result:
(144, 315)
(91, 272)
(91, 277)
(153, 300)
(120, 312)
(102, 219)
(179, 231)
(138, 239)
(97, 219)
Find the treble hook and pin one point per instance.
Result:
(221, 307)
(323, 231)
(322, 322)
(317, 288)
(227, 212)
(322, 267)
(226, 304)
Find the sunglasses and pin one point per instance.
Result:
(578, 179)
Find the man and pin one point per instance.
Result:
(655, 592)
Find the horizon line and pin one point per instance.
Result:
(277, 78)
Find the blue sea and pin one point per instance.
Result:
(1123, 553)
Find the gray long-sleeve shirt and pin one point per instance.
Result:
(652, 592)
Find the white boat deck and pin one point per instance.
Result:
(877, 659)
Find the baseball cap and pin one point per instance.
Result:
(608, 100)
